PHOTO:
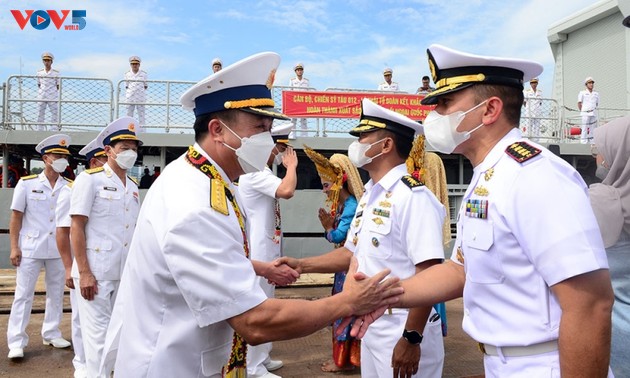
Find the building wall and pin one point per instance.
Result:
(592, 43)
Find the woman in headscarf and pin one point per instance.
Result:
(343, 187)
(611, 204)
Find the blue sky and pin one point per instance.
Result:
(341, 43)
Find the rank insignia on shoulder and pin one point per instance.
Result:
(522, 151)
(411, 181)
(218, 198)
(94, 170)
(133, 179)
(67, 179)
(29, 177)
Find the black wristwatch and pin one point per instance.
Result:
(413, 337)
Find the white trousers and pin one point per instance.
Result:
(77, 341)
(140, 108)
(377, 346)
(95, 316)
(54, 115)
(542, 365)
(589, 123)
(25, 280)
(258, 356)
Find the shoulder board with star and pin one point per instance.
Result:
(522, 151)
(133, 179)
(94, 170)
(411, 181)
(67, 179)
(29, 177)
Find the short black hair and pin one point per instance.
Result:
(425, 77)
(201, 122)
(113, 143)
(403, 144)
(512, 98)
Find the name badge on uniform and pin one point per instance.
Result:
(477, 208)
(37, 191)
(110, 188)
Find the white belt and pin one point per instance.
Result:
(519, 351)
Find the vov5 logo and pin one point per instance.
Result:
(41, 19)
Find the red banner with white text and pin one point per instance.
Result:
(312, 104)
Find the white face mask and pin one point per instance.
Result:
(254, 151)
(59, 165)
(357, 150)
(441, 130)
(126, 159)
(277, 160)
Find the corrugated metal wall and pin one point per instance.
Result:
(598, 50)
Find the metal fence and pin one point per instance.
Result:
(91, 103)
(78, 104)
(161, 110)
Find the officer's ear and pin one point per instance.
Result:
(216, 130)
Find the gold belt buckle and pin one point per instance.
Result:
(482, 348)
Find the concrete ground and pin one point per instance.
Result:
(302, 357)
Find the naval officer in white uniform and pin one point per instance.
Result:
(260, 193)
(104, 209)
(529, 258)
(189, 299)
(33, 246)
(48, 93)
(398, 225)
(136, 90)
(96, 157)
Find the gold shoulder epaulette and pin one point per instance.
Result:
(522, 151)
(67, 179)
(92, 171)
(411, 181)
(133, 179)
(218, 198)
(28, 177)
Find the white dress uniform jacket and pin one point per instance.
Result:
(135, 86)
(523, 227)
(295, 82)
(36, 199)
(186, 274)
(48, 83)
(397, 227)
(112, 210)
(590, 102)
(257, 192)
(388, 87)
